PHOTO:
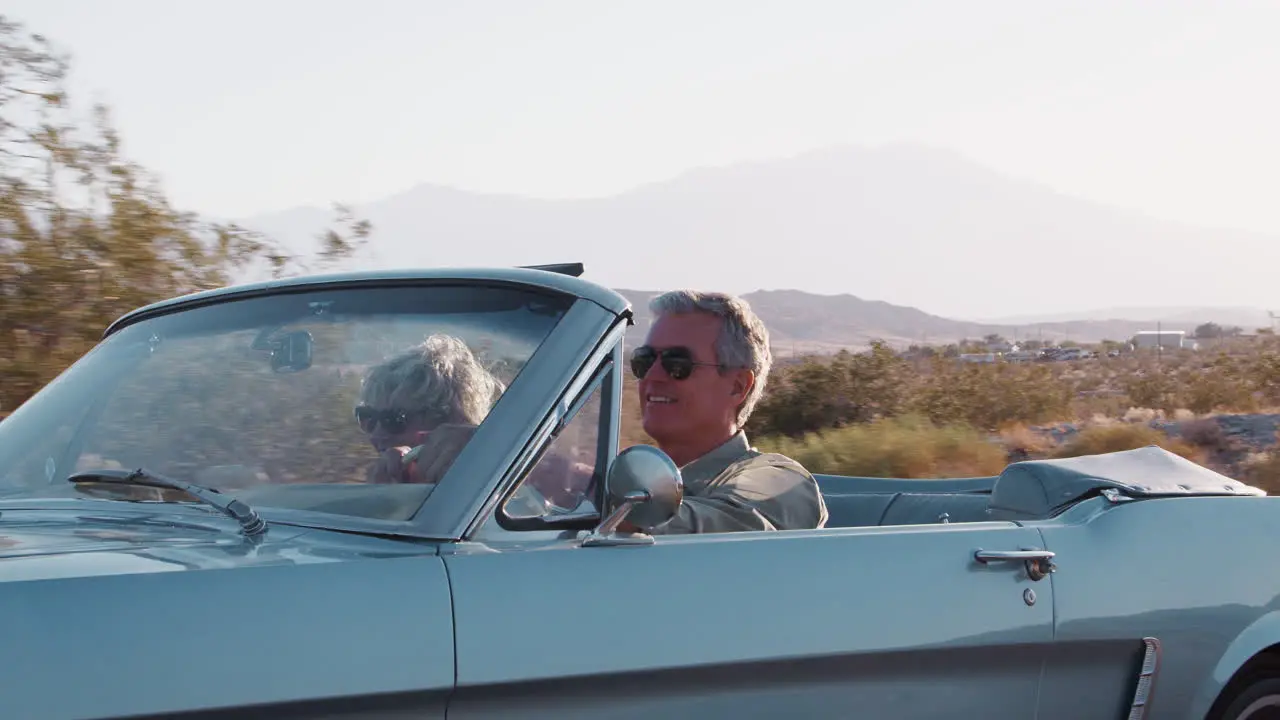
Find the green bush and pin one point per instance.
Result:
(907, 447)
(990, 397)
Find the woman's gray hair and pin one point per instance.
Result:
(439, 375)
(743, 341)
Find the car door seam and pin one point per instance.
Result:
(1053, 630)
(453, 624)
(1053, 595)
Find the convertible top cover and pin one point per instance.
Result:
(1039, 488)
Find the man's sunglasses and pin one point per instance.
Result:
(394, 421)
(678, 362)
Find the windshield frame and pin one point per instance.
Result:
(512, 422)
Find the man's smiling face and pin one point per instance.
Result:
(699, 411)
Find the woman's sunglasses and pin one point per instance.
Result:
(678, 362)
(394, 421)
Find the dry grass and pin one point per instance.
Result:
(1263, 470)
(1206, 433)
(1098, 439)
(1021, 442)
(983, 417)
(904, 447)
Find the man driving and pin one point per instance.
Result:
(701, 371)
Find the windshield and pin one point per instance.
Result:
(305, 400)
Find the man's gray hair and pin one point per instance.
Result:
(743, 341)
(440, 375)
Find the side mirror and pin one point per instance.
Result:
(291, 352)
(644, 488)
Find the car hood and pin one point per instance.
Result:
(43, 544)
(111, 609)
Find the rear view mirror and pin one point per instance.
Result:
(291, 352)
(644, 488)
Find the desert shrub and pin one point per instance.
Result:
(1263, 472)
(1106, 403)
(1022, 443)
(1206, 433)
(1098, 439)
(1263, 372)
(907, 446)
(989, 397)
(89, 234)
(1082, 380)
(804, 398)
(1152, 389)
(1220, 383)
(1142, 414)
(818, 393)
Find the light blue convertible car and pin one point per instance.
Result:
(188, 530)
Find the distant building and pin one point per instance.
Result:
(1168, 339)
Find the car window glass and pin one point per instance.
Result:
(294, 400)
(562, 479)
(213, 414)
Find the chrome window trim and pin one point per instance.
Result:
(487, 528)
(603, 372)
(525, 278)
(561, 364)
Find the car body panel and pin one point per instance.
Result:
(1165, 568)
(892, 622)
(107, 618)
(1262, 635)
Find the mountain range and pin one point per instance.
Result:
(838, 246)
(804, 323)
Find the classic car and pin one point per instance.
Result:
(188, 530)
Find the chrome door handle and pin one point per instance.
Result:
(986, 556)
(1039, 563)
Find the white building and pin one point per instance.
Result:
(1168, 339)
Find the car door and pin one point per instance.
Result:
(898, 622)
(875, 622)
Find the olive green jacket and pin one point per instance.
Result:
(735, 488)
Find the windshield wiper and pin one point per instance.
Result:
(251, 524)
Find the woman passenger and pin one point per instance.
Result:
(432, 395)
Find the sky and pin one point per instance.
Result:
(1164, 107)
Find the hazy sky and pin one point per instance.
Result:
(244, 107)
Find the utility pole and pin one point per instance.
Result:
(1159, 343)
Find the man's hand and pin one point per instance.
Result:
(561, 480)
